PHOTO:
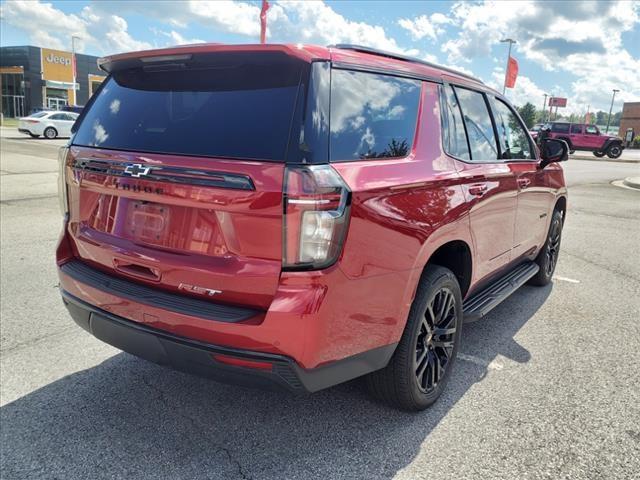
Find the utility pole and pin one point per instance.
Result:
(610, 109)
(74, 66)
(511, 42)
(544, 107)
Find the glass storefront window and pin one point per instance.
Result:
(57, 98)
(12, 94)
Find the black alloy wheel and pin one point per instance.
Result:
(599, 154)
(553, 247)
(614, 151)
(547, 259)
(423, 361)
(435, 340)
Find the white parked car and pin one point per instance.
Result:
(50, 124)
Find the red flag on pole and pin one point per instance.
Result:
(512, 73)
(263, 21)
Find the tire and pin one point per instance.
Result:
(50, 133)
(33, 135)
(572, 152)
(599, 154)
(421, 349)
(547, 259)
(614, 151)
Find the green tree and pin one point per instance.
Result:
(601, 118)
(615, 118)
(528, 114)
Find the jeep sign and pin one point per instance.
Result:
(51, 58)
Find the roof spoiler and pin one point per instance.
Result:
(406, 58)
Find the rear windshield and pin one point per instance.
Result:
(235, 107)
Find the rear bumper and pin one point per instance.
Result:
(200, 358)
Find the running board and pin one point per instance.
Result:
(481, 303)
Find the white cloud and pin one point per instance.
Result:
(583, 39)
(175, 38)
(108, 33)
(425, 26)
(525, 89)
(310, 21)
(316, 22)
(35, 19)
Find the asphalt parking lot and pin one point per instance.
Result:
(548, 386)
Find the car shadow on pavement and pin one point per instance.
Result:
(130, 418)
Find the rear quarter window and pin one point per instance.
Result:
(560, 127)
(372, 115)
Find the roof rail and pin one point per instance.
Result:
(398, 56)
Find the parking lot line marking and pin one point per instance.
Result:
(565, 279)
(492, 365)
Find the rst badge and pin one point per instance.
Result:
(199, 290)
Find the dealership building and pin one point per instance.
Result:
(32, 77)
(630, 119)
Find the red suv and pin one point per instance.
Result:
(298, 216)
(586, 137)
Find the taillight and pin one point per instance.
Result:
(316, 211)
(62, 180)
(32, 121)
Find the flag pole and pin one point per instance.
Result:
(263, 21)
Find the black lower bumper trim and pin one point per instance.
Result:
(154, 297)
(197, 357)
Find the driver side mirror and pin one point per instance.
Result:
(553, 150)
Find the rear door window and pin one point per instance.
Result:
(372, 115)
(576, 129)
(477, 119)
(235, 108)
(560, 127)
(512, 135)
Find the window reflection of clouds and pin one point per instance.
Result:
(372, 115)
(99, 133)
(357, 92)
(114, 107)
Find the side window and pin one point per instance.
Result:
(454, 137)
(371, 115)
(591, 130)
(476, 116)
(576, 129)
(560, 127)
(513, 138)
(58, 116)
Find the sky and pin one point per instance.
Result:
(575, 49)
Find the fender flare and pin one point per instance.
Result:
(436, 240)
(609, 142)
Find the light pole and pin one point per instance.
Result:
(74, 66)
(611, 108)
(511, 42)
(544, 107)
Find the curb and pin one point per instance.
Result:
(604, 160)
(633, 182)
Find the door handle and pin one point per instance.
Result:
(478, 190)
(524, 182)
